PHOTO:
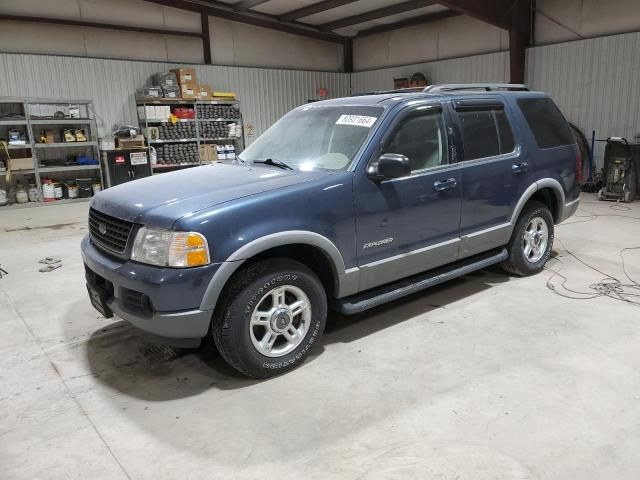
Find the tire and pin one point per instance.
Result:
(519, 262)
(242, 336)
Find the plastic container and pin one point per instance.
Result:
(58, 191)
(33, 193)
(48, 190)
(84, 187)
(74, 192)
(97, 188)
(21, 195)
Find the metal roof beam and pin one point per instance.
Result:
(243, 5)
(226, 11)
(495, 12)
(378, 13)
(106, 26)
(313, 9)
(409, 22)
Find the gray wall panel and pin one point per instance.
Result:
(493, 67)
(594, 82)
(265, 94)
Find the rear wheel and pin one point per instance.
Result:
(271, 315)
(531, 240)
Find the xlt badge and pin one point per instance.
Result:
(378, 243)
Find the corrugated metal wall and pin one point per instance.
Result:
(595, 82)
(265, 94)
(492, 67)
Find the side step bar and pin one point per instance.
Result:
(387, 293)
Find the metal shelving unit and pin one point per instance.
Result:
(66, 144)
(199, 138)
(13, 113)
(51, 158)
(64, 121)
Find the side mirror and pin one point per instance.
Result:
(389, 165)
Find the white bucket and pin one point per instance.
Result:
(57, 191)
(33, 193)
(74, 191)
(48, 192)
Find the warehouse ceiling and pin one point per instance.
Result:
(343, 17)
(337, 20)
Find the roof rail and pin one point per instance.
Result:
(397, 90)
(486, 87)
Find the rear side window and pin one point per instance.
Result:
(485, 133)
(549, 127)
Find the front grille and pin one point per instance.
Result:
(109, 233)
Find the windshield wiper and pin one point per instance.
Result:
(274, 163)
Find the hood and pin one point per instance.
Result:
(162, 199)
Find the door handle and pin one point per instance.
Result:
(441, 185)
(520, 167)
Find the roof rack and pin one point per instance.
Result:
(397, 90)
(485, 87)
(455, 87)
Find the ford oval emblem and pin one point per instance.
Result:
(102, 228)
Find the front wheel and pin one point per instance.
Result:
(271, 315)
(531, 240)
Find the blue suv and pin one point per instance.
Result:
(343, 204)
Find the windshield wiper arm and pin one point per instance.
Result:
(274, 163)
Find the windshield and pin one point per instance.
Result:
(315, 137)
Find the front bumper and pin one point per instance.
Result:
(174, 295)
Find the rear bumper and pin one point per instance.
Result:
(173, 294)
(569, 209)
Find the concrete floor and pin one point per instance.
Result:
(487, 377)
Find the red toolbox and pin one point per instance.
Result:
(182, 112)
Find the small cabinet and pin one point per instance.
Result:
(122, 166)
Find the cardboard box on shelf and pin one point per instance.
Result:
(20, 163)
(185, 75)
(208, 153)
(205, 92)
(189, 90)
(127, 143)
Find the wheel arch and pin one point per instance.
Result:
(548, 191)
(310, 248)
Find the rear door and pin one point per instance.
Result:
(495, 171)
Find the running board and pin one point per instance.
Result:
(387, 293)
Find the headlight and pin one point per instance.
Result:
(165, 248)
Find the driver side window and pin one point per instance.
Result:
(420, 137)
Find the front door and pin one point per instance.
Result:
(411, 224)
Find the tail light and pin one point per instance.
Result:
(578, 166)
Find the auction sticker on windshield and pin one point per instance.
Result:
(357, 120)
